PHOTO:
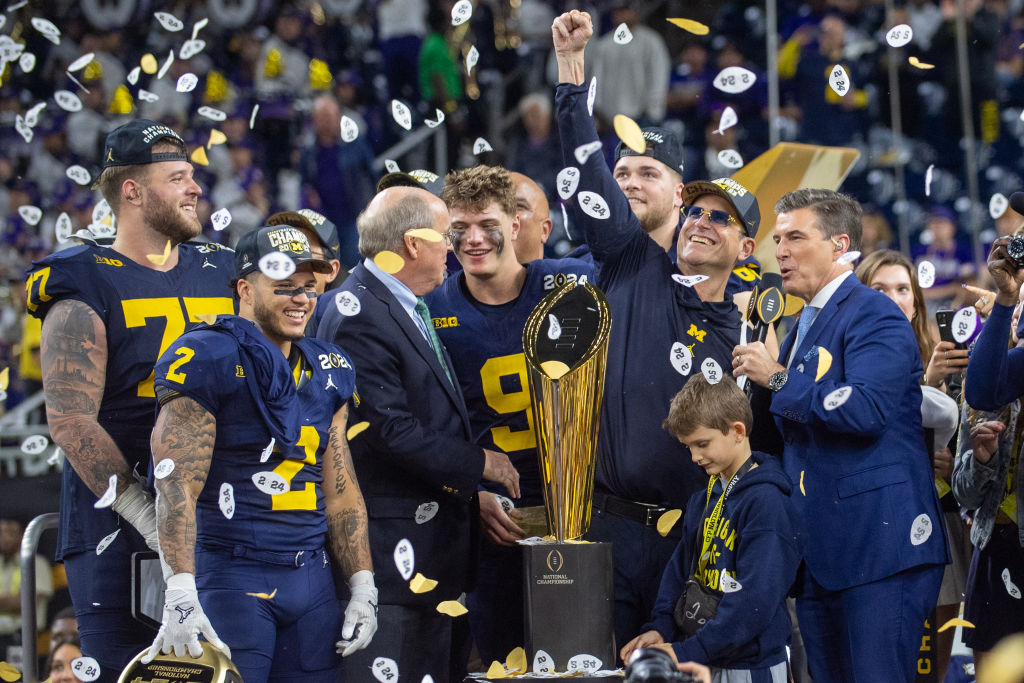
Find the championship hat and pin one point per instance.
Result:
(662, 144)
(275, 238)
(132, 144)
(743, 202)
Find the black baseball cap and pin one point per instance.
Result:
(325, 231)
(132, 144)
(662, 144)
(743, 202)
(283, 238)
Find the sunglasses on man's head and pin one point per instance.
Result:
(719, 219)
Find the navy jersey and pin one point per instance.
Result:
(486, 347)
(744, 277)
(269, 499)
(143, 311)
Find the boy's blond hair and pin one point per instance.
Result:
(702, 404)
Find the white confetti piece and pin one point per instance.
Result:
(543, 663)
(102, 230)
(267, 450)
(348, 304)
(133, 75)
(67, 100)
(426, 512)
(472, 57)
(928, 180)
(440, 119)
(226, 500)
(166, 65)
(81, 62)
(198, 26)
(730, 158)
(30, 214)
(565, 221)
(85, 669)
(10, 50)
(3, 18)
(23, 128)
(27, 62)
(220, 219)
(169, 21)
(1011, 587)
(622, 35)
(728, 584)
(100, 211)
(405, 558)
(252, 116)
(848, 257)
(147, 96)
(32, 115)
(401, 114)
(593, 204)
(680, 358)
(349, 129)
(585, 663)
(270, 483)
(63, 227)
(727, 120)
(385, 670)
(837, 398)
(899, 35)
(35, 444)
(925, 274)
(106, 541)
(711, 370)
(567, 180)
(591, 95)
(187, 82)
(79, 174)
(839, 80)
(920, 529)
(190, 48)
(276, 265)
(584, 151)
(554, 327)
(480, 146)
(734, 79)
(997, 205)
(163, 468)
(47, 28)
(109, 495)
(211, 113)
(461, 12)
(688, 280)
(965, 322)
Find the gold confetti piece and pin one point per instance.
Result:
(824, 363)
(554, 368)
(208, 318)
(199, 157)
(1021, 46)
(953, 623)
(216, 138)
(421, 584)
(264, 596)
(802, 483)
(428, 234)
(914, 61)
(148, 63)
(389, 262)
(629, 132)
(691, 25)
(8, 672)
(160, 259)
(794, 305)
(1005, 662)
(668, 520)
(516, 661)
(356, 429)
(5, 377)
(496, 670)
(452, 608)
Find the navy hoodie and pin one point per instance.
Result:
(756, 543)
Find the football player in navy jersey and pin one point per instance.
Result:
(254, 479)
(108, 313)
(479, 314)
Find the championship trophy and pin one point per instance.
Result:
(568, 582)
(213, 666)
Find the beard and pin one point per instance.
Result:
(167, 219)
(267, 321)
(655, 216)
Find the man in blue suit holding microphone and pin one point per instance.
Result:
(846, 398)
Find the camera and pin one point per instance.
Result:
(652, 665)
(1015, 250)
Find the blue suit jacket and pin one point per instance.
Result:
(417, 448)
(862, 473)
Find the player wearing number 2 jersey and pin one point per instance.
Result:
(107, 315)
(254, 479)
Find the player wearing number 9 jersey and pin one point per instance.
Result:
(254, 477)
(107, 315)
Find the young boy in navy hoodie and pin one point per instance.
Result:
(742, 549)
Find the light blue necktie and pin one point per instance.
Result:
(807, 316)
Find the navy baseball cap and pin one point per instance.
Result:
(132, 144)
(325, 231)
(743, 201)
(662, 144)
(283, 238)
(431, 182)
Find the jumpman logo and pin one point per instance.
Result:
(330, 383)
(184, 613)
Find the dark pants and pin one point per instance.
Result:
(867, 633)
(989, 606)
(496, 605)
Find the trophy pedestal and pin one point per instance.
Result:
(568, 596)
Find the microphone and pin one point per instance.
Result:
(767, 303)
(1017, 202)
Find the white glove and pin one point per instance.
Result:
(360, 615)
(136, 505)
(184, 620)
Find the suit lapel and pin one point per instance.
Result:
(821, 323)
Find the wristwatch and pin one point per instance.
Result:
(778, 380)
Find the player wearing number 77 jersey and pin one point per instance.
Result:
(254, 479)
(108, 313)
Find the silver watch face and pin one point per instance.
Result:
(777, 380)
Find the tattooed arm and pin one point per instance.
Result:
(346, 513)
(185, 433)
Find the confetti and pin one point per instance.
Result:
(928, 180)
(837, 398)
(356, 429)
(591, 95)
(727, 120)
(63, 227)
(5, 378)
(147, 96)
(212, 114)
(630, 134)
(567, 180)
(461, 12)
(133, 75)
(839, 80)
(711, 370)
(925, 274)
(965, 323)
(543, 662)
(921, 529)
(802, 491)
(584, 663)
(78, 174)
(899, 35)
(23, 128)
(691, 25)
(148, 63)
(226, 500)
(348, 304)
(915, 62)
(220, 219)
(401, 114)
(32, 115)
(81, 62)
(34, 445)
(622, 35)
(208, 318)
(264, 596)
(848, 257)
(668, 520)
(109, 495)
(428, 234)
(102, 230)
(270, 483)
(1011, 587)
(495, 670)
(389, 262)
(391, 166)
(680, 358)
(584, 151)
(440, 119)
(953, 623)
(728, 583)
(405, 561)
(187, 82)
(515, 662)
(160, 259)
(67, 100)
(198, 26)
(106, 541)
(27, 62)
(554, 369)
(730, 158)
(8, 673)
(453, 608)
(252, 116)
(824, 363)
(276, 265)
(593, 204)
(565, 220)
(384, 670)
(426, 512)
(997, 205)
(688, 280)
(190, 48)
(472, 57)
(169, 21)
(734, 79)
(421, 584)
(30, 214)
(554, 327)
(480, 146)
(47, 28)
(163, 468)
(85, 669)
(349, 129)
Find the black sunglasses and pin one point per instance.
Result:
(310, 293)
